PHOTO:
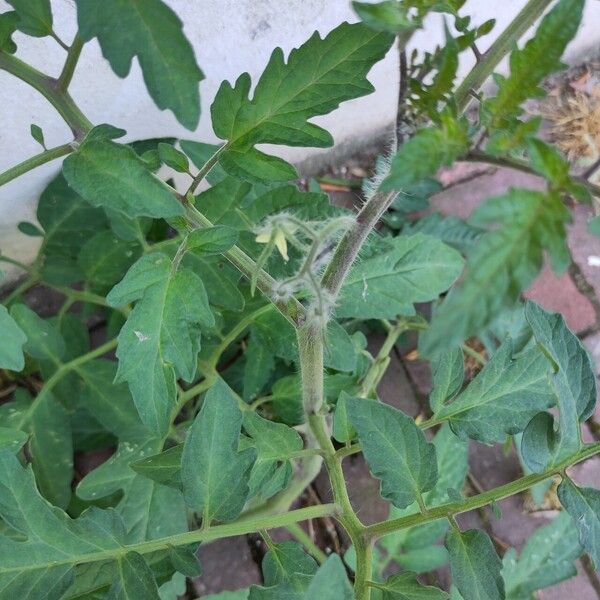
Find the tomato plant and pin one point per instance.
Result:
(237, 311)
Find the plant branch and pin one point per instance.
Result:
(455, 508)
(205, 170)
(64, 79)
(210, 534)
(489, 60)
(523, 166)
(49, 88)
(35, 161)
(350, 245)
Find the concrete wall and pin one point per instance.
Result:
(229, 37)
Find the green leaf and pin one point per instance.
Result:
(148, 510)
(395, 449)
(330, 581)
(105, 258)
(161, 337)
(112, 175)
(426, 153)
(164, 467)
(12, 439)
(30, 568)
(8, 25)
(398, 273)
(573, 385)
(275, 443)
(51, 449)
(151, 31)
(503, 397)
(405, 586)
(30, 229)
(13, 338)
(185, 561)
(214, 240)
(504, 263)
(447, 374)
(539, 58)
(108, 402)
(35, 16)
(200, 153)
(475, 566)
(583, 504)
(134, 579)
(215, 475)
(594, 226)
(388, 15)
(547, 558)
(38, 135)
(173, 158)
(317, 77)
(287, 573)
(44, 341)
(260, 364)
(342, 427)
(68, 222)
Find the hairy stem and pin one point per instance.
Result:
(503, 44)
(350, 245)
(35, 161)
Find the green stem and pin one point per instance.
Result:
(216, 532)
(455, 508)
(347, 250)
(64, 79)
(35, 161)
(503, 44)
(21, 289)
(474, 354)
(205, 170)
(48, 87)
(307, 542)
(310, 351)
(291, 309)
(523, 166)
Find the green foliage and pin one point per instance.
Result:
(317, 77)
(241, 310)
(505, 261)
(404, 463)
(547, 558)
(152, 32)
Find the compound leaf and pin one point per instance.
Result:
(151, 31)
(215, 474)
(398, 273)
(395, 449)
(539, 58)
(317, 77)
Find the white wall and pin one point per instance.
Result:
(229, 37)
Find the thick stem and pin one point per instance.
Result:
(35, 161)
(310, 349)
(504, 43)
(49, 88)
(350, 245)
